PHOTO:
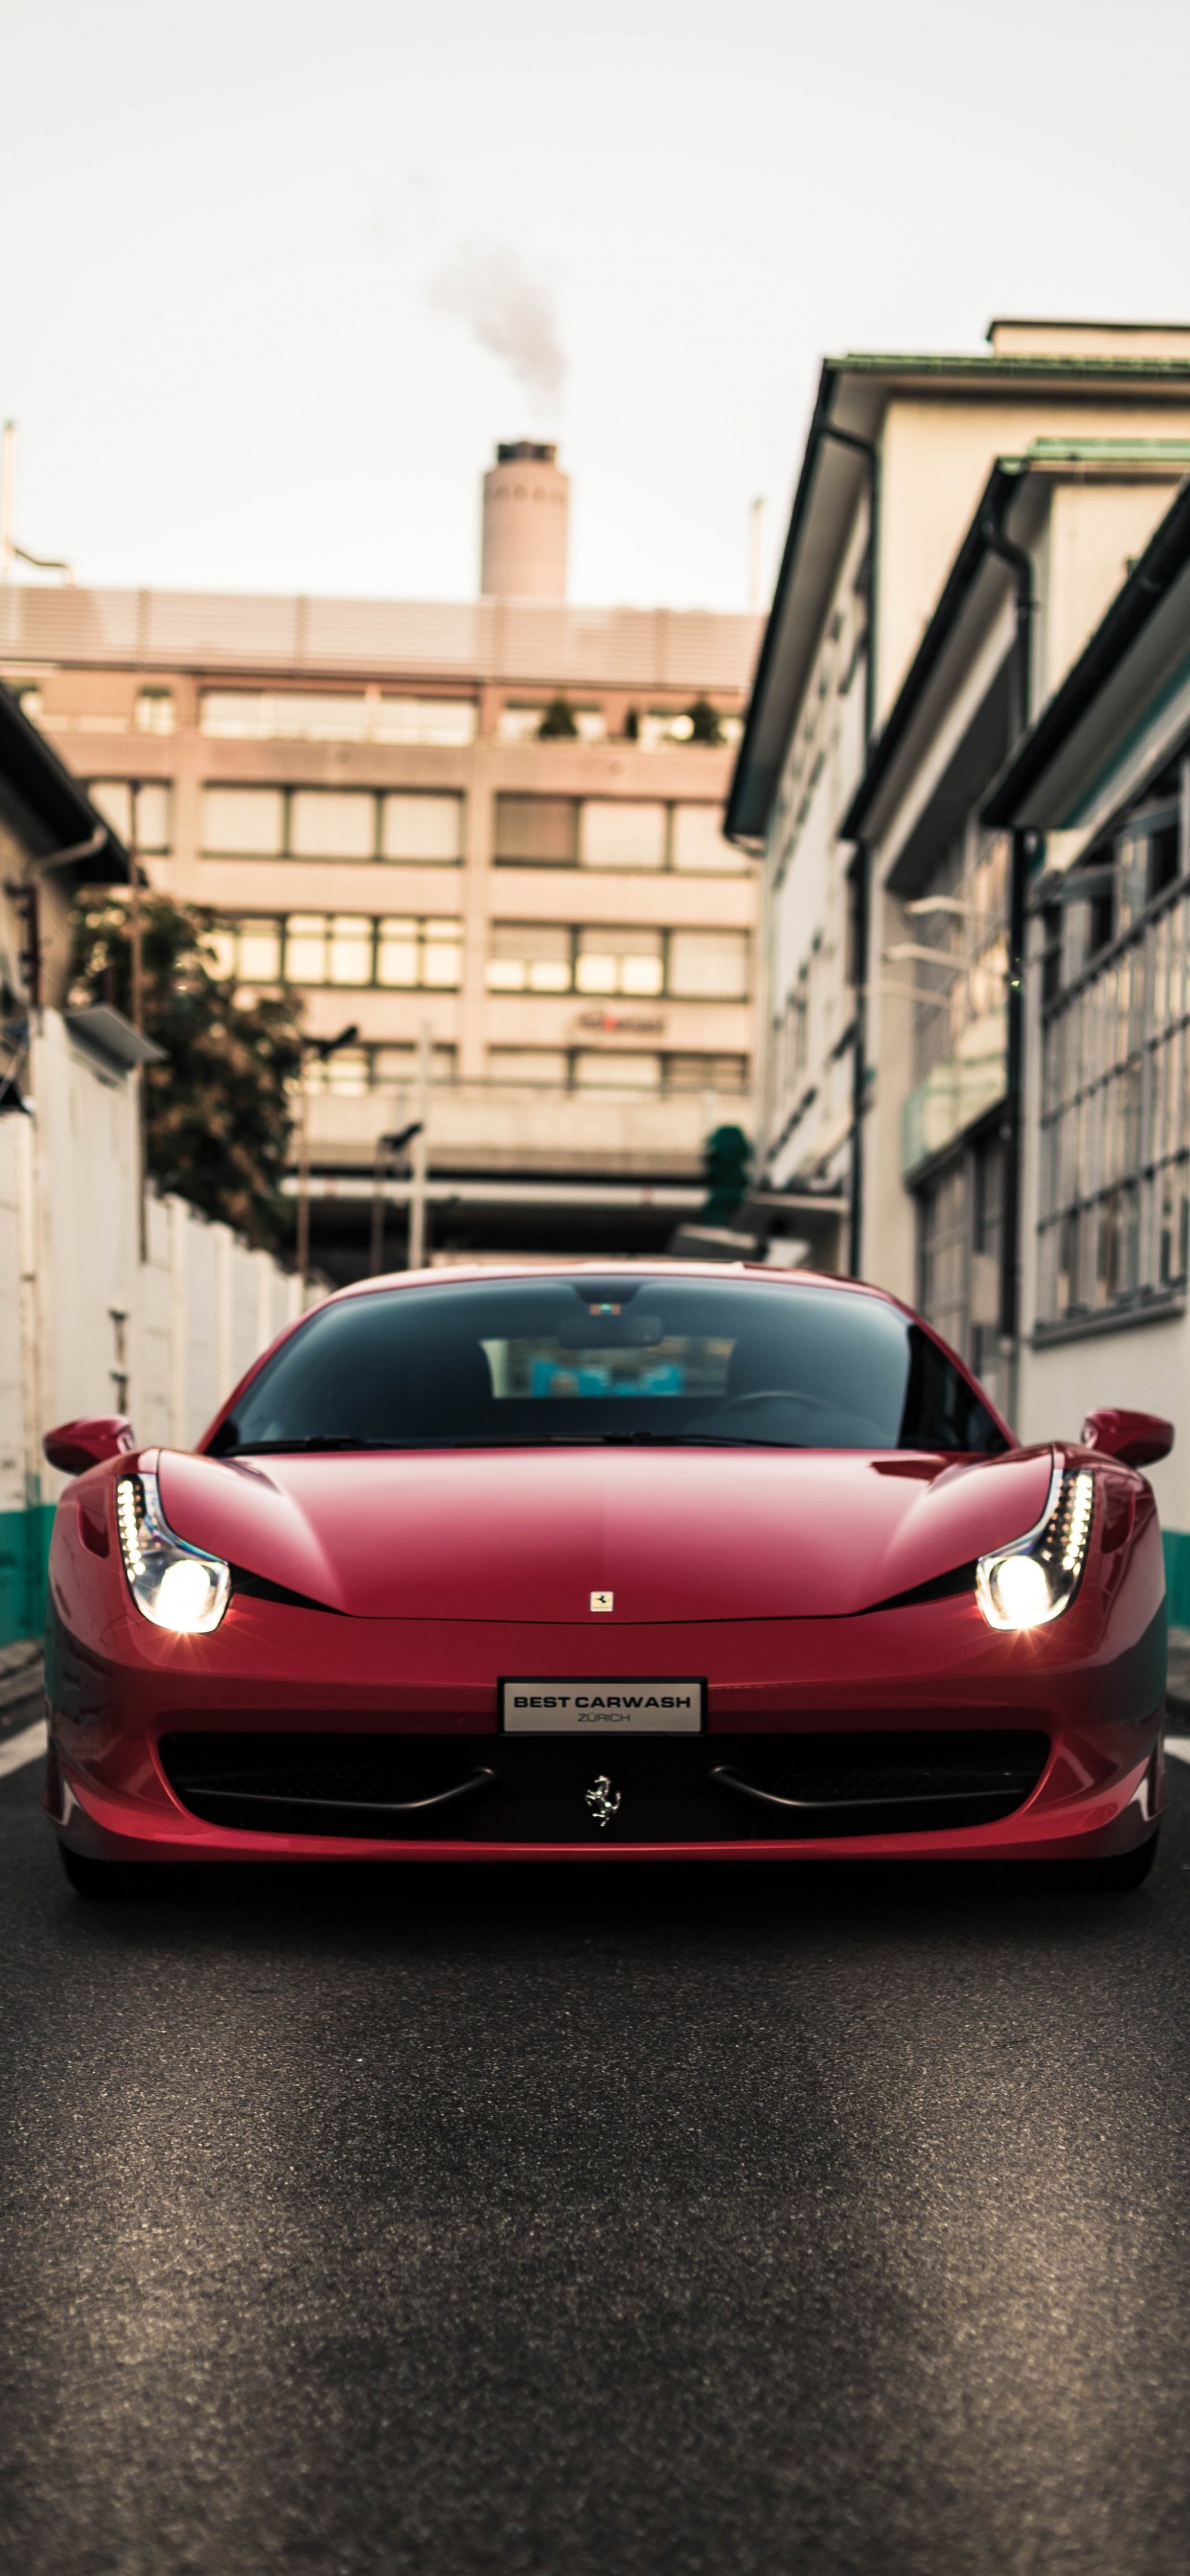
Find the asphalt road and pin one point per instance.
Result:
(593, 2224)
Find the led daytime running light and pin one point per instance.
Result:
(1057, 1549)
(174, 1585)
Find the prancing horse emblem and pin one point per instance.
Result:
(603, 1800)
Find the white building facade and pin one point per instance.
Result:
(883, 704)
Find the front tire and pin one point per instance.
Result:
(97, 1879)
(1115, 1876)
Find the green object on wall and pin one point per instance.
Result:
(1177, 1576)
(24, 1562)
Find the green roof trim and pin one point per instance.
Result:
(1128, 451)
(964, 363)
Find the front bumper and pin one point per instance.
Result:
(275, 1671)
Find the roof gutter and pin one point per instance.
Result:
(1164, 558)
(733, 828)
(984, 536)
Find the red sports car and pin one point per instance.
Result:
(595, 1564)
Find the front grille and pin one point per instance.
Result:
(504, 1789)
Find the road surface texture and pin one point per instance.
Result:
(601, 2223)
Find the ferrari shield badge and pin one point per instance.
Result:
(603, 1800)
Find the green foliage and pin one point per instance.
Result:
(726, 1163)
(217, 1112)
(558, 722)
(704, 722)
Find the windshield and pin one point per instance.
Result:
(528, 1362)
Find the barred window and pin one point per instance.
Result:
(1115, 1128)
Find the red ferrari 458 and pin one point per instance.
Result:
(635, 1563)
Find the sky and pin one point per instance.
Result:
(278, 275)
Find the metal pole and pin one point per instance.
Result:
(303, 1195)
(416, 1254)
(137, 1016)
(755, 552)
(8, 468)
(376, 1248)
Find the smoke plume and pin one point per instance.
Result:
(510, 314)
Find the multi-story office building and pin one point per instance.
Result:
(495, 822)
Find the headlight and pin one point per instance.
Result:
(1035, 1580)
(175, 1585)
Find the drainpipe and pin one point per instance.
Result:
(1014, 1050)
(861, 872)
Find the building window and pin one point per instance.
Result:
(549, 1066)
(329, 824)
(634, 961)
(448, 723)
(529, 957)
(622, 835)
(398, 1065)
(293, 715)
(243, 822)
(352, 1071)
(1115, 1125)
(960, 1219)
(620, 961)
(698, 844)
(602, 1069)
(944, 1228)
(421, 829)
(139, 813)
(718, 1073)
(536, 831)
(614, 833)
(252, 951)
(350, 823)
(707, 965)
(594, 1071)
(341, 948)
(155, 711)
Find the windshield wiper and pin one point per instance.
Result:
(311, 1440)
(706, 1439)
(315, 1441)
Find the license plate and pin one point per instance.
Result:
(602, 1708)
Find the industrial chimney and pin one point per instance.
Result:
(526, 507)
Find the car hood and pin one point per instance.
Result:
(672, 1534)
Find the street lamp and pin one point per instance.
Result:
(323, 1049)
(385, 1146)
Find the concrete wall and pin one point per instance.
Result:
(86, 1327)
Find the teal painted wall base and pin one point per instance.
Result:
(24, 1559)
(1177, 1576)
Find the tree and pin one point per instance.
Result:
(217, 1112)
(558, 722)
(704, 722)
(726, 1163)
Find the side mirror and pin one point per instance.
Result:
(1136, 1439)
(75, 1446)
